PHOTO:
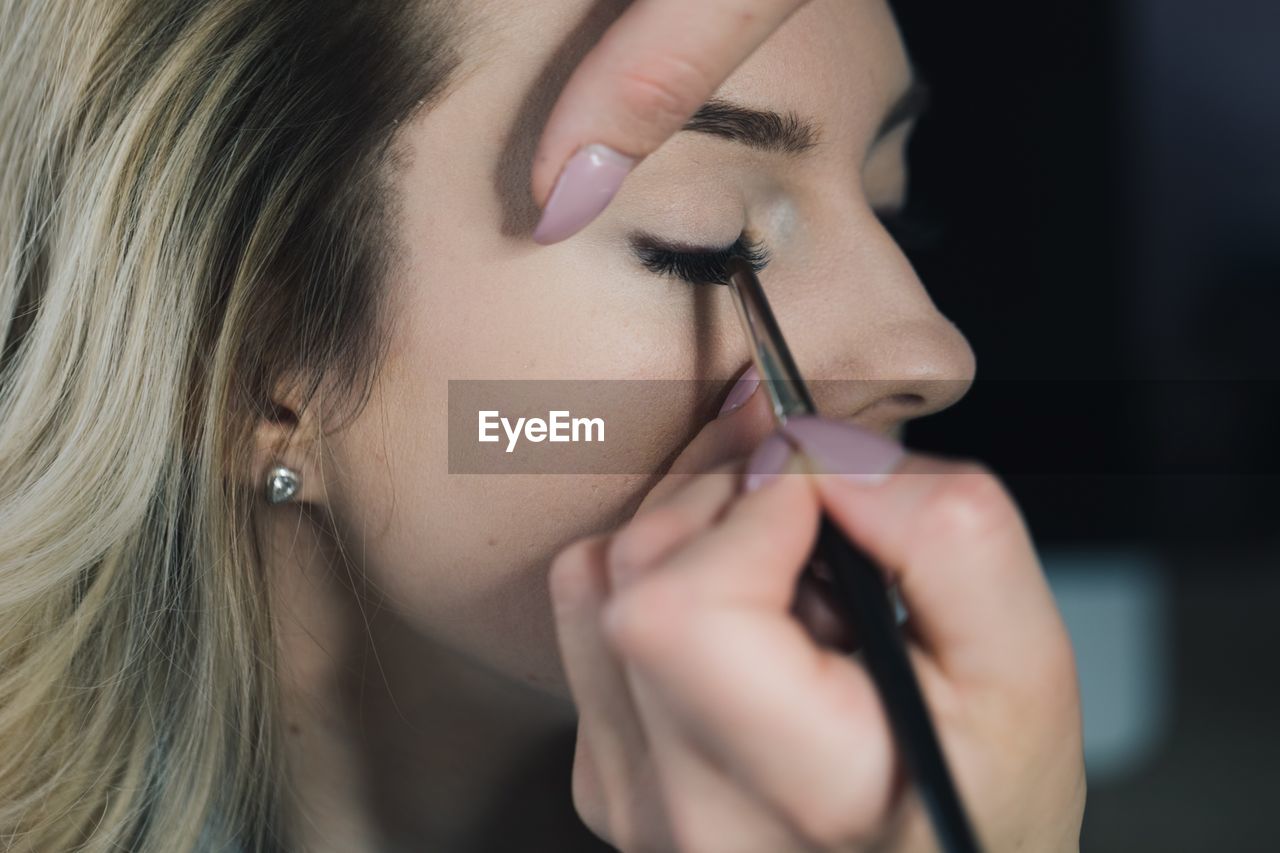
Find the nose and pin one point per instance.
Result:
(866, 334)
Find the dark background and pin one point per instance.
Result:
(1103, 177)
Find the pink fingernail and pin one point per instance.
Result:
(767, 462)
(585, 187)
(857, 454)
(741, 391)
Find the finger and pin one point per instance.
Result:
(754, 554)
(698, 484)
(741, 679)
(733, 434)
(966, 566)
(650, 72)
(660, 529)
(706, 807)
(587, 790)
(609, 724)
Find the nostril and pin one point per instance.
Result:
(908, 401)
(888, 413)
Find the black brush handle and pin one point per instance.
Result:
(861, 588)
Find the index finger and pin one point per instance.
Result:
(650, 72)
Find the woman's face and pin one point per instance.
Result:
(462, 558)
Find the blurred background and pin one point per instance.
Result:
(1097, 186)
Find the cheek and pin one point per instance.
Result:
(463, 558)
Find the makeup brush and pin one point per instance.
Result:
(859, 585)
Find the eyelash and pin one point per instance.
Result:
(699, 266)
(708, 266)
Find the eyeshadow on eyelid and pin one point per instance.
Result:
(777, 219)
(645, 240)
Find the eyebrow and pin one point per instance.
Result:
(785, 133)
(789, 133)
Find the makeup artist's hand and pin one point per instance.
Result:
(720, 712)
(652, 69)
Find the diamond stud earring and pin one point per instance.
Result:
(282, 484)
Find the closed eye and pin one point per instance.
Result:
(700, 265)
(695, 264)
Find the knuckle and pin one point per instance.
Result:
(849, 812)
(968, 503)
(1060, 688)
(642, 623)
(570, 570)
(639, 543)
(1060, 654)
(690, 832)
(663, 92)
(821, 822)
(844, 814)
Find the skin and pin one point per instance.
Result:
(653, 68)
(426, 669)
(712, 720)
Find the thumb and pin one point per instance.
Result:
(650, 72)
(955, 542)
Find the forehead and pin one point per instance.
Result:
(841, 61)
(836, 59)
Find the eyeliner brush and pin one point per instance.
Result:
(860, 586)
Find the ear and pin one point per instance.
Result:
(290, 435)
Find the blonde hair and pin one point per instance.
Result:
(194, 205)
